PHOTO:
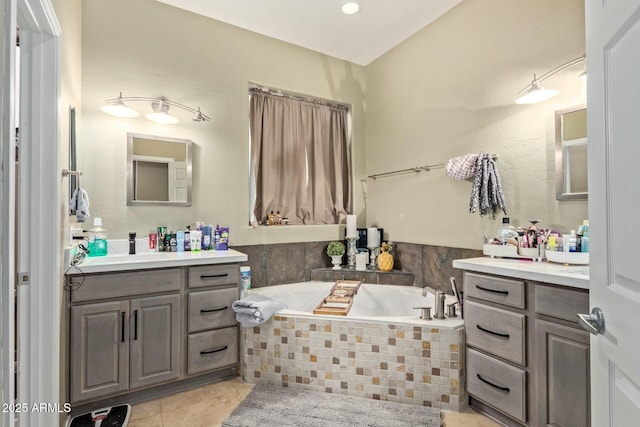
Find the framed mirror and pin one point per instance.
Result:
(571, 153)
(158, 170)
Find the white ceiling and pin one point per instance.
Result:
(321, 26)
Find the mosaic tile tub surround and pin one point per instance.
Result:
(408, 363)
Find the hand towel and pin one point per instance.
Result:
(79, 205)
(255, 309)
(486, 191)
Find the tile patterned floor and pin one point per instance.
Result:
(209, 405)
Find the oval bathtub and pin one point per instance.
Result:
(377, 303)
(380, 350)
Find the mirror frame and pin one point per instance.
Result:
(561, 194)
(130, 191)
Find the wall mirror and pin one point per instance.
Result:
(158, 170)
(571, 153)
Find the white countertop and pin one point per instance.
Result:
(121, 262)
(558, 274)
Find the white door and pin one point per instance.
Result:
(613, 96)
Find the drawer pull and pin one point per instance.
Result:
(498, 334)
(135, 325)
(122, 326)
(212, 310)
(495, 291)
(493, 385)
(212, 276)
(214, 350)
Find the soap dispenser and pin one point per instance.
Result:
(98, 246)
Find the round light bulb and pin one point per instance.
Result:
(351, 8)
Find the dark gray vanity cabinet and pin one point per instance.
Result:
(126, 344)
(527, 358)
(161, 329)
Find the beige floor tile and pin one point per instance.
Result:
(144, 410)
(469, 418)
(152, 421)
(199, 414)
(209, 405)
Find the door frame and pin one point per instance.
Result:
(39, 213)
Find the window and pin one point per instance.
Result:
(300, 159)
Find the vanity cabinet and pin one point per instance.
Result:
(138, 329)
(527, 359)
(126, 344)
(213, 337)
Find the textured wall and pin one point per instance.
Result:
(146, 48)
(450, 90)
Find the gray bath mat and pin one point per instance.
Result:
(269, 406)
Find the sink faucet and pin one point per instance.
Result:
(439, 305)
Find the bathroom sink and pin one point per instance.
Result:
(148, 256)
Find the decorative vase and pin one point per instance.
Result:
(385, 259)
(336, 260)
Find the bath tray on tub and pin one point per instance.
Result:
(340, 298)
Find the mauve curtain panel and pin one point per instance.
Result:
(300, 160)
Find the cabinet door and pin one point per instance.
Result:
(99, 350)
(155, 340)
(562, 365)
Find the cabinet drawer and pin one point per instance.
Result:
(495, 289)
(214, 275)
(497, 384)
(496, 331)
(211, 309)
(213, 349)
(117, 285)
(561, 303)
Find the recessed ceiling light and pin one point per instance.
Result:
(351, 8)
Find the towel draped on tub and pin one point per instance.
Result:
(255, 309)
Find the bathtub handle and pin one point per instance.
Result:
(214, 350)
(498, 334)
(507, 389)
(495, 291)
(212, 310)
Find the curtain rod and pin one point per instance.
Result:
(304, 98)
(416, 169)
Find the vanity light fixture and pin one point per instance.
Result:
(534, 92)
(160, 106)
(351, 7)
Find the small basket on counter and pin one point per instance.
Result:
(575, 258)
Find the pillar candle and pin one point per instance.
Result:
(351, 227)
(372, 237)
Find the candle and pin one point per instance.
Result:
(372, 237)
(351, 227)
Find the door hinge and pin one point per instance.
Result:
(24, 278)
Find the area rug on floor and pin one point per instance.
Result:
(270, 405)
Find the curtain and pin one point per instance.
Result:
(300, 160)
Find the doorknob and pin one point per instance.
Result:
(593, 322)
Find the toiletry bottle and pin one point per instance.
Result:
(132, 243)
(180, 241)
(278, 218)
(187, 239)
(173, 243)
(162, 231)
(206, 237)
(572, 241)
(585, 236)
(271, 218)
(216, 236)
(245, 281)
(98, 247)
(507, 231)
(167, 241)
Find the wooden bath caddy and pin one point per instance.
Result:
(340, 298)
